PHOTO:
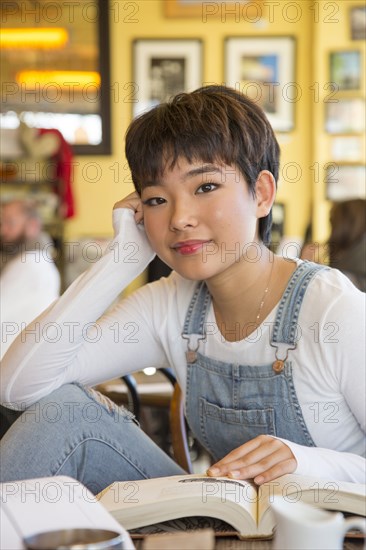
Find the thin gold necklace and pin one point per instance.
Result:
(264, 294)
(217, 313)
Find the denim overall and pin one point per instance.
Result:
(228, 404)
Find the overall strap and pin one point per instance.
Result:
(285, 330)
(194, 324)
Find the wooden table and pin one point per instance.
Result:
(233, 543)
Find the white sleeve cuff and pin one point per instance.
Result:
(130, 239)
(327, 463)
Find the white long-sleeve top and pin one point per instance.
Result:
(78, 339)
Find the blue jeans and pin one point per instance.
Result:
(77, 432)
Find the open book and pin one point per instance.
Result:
(243, 505)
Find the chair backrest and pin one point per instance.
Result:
(178, 429)
(178, 424)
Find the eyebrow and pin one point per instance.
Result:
(204, 169)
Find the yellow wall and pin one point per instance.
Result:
(316, 30)
(95, 200)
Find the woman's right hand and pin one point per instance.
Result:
(132, 201)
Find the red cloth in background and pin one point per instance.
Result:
(64, 163)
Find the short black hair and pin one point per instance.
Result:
(211, 124)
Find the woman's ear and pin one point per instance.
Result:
(265, 192)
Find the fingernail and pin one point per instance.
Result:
(258, 480)
(234, 473)
(213, 471)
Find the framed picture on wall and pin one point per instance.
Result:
(207, 10)
(345, 69)
(346, 116)
(347, 148)
(58, 71)
(264, 69)
(358, 22)
(163, 68)
(345, 181)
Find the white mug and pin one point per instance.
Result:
(300, 526)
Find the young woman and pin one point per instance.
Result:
(269, 352)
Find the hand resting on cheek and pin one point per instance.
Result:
(132, 201)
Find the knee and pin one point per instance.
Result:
(68, 404)
(76, 406)
(62, 407)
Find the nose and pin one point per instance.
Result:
(182, 216)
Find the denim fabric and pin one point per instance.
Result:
(227, 404)
(78, 432)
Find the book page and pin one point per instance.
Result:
(329, 495)
(228, 493)
(239, 491)
(151, 501)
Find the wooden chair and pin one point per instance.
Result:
(178, 430)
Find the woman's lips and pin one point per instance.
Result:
(189, 247)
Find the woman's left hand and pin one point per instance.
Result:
(263, 459)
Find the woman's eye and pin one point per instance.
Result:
(207, 187)
(154, 201)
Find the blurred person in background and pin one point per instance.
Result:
(29, 278)
(345, 248)
(347, 240)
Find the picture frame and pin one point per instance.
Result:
(159, 75)
(357, 15)
(345, 116)
(204, 9)
(75, 102)
(264, 69)
(345, 181)
(346, 148)
(345, 69)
